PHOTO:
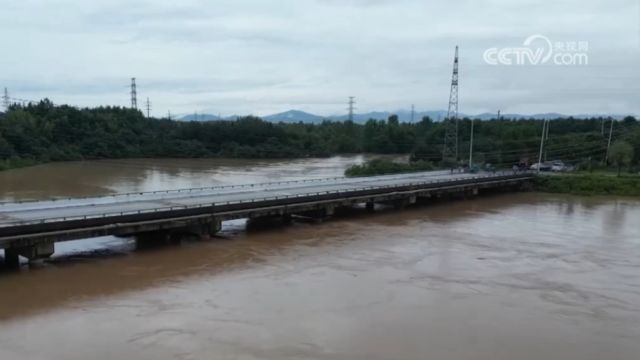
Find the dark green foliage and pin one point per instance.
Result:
(43, 132)
(621, 154)
(382, 167)
(590, 184)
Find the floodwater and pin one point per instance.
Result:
(512, 276)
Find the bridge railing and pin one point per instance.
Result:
(173, 191)
(247, 201)
(206, 188)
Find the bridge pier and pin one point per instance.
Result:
(404, 202)
(317, 215)
(11, 259)
(176, 235)
(32, 253)
(370, 206)
(207, 229)
(149, 239)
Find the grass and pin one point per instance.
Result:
(15, 163)
(590, 184)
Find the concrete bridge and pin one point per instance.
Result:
(31, 228)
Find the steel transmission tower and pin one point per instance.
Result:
(352, 102)
(148, 106)
(6, 100)
(134, 94)
(450, 150)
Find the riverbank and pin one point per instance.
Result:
(589, 184)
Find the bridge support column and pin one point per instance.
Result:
(329, 210)
(214, 227)
(370, 206)
(32, 253)
(287, 219)
(210, 228)
(404, 202)
(11, 259)
(152, 238)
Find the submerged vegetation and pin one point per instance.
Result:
(43, 132)
(590, 184)
(384, 167)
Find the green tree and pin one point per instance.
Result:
(621, 153)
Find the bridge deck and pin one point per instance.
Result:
(52, 210)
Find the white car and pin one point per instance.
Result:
(557, 166)
(543, 167)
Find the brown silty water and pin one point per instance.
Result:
(513, 276)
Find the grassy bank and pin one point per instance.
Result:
(8, 164)
(590, 184)
(385, 167)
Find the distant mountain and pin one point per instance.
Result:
(294, 116)
(200, 117)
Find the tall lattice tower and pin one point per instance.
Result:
(352, 102)
(6, 100)
(134, 94)
(450, 150)
(148, 106)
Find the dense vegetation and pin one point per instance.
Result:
(590, 184)
(43, 132)
(382, 167)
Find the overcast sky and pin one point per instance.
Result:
(267, 56)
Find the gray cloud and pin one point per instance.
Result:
(254, 56)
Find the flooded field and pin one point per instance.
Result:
(513, 276)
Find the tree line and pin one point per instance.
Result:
(43, 132)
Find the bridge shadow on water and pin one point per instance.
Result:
(126, 267)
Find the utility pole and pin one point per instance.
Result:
(134, 94)
(471, 146)
(6, 100)
(546, 138)
(352, 102)
(606, 158)
(498, 115)
(544, 129)
(450, 150)
(413, 112)
(148, 106)
(602, 127)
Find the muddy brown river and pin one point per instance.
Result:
(513, 276)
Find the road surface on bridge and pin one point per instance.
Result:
(15, 213)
